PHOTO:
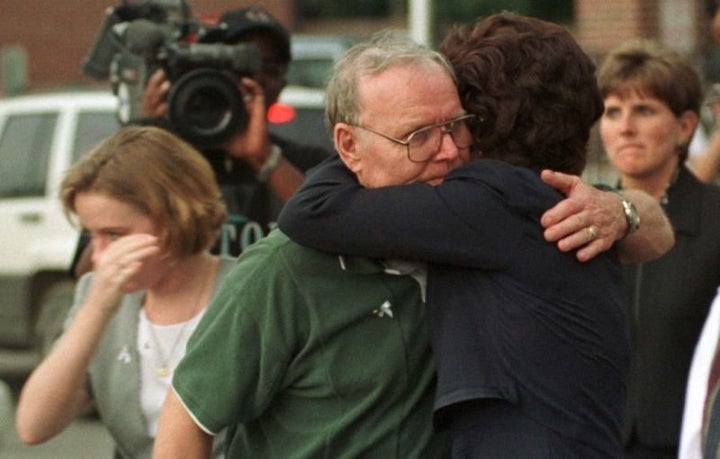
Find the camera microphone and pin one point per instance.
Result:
(142, 36)
(97, 62)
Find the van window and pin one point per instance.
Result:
(24, 154)
(305, 126)
(312, 73)
(93, 127)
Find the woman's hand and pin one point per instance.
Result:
(115, 266)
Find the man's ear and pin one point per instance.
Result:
(346, 145)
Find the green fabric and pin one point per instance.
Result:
(298, 355)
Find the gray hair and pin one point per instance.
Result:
(373, 57)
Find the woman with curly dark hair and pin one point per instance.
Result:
(532, 88)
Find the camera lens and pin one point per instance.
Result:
(206, 108)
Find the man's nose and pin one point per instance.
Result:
(448, 150)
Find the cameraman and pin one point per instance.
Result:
(256, 171)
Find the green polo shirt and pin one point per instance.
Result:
(308, 355)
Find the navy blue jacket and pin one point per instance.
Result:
(511, 316)
(669, 299)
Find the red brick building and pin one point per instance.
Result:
(681, 24)
(55, 35)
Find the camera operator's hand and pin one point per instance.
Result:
(252, 145)
(252, 142)
(154, 97)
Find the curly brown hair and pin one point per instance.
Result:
(531, 86)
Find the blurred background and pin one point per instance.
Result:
(42, 46)
(42, 43)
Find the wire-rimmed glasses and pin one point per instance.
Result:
(424, 143)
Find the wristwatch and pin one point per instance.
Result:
(270, 164)
(631, 215)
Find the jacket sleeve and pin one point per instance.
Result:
(461, 222)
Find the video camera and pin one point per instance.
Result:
(205, 106)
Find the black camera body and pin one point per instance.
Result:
(205, 106)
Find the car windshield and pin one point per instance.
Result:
(299, 115)
(314, 57)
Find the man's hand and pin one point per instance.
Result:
(569, 223)
(154, 96)
(589, 219)
(252, 142)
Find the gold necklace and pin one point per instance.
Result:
(163, 370)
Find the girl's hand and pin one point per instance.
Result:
(116, 265)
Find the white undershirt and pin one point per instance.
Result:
(696, 391)
(414, 269)
(152, 387)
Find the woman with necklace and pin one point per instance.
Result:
(652, 101)
(152, 209)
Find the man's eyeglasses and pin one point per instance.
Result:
(424, 143)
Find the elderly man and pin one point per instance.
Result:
(307, 354)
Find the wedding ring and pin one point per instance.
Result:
(592, 231)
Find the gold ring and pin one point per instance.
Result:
(592, 231)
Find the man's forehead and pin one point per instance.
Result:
(425, 73)
(409, 98)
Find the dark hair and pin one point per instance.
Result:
(531, 86)
(241, 24)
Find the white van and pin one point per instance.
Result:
(40, 136)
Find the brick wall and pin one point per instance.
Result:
(602, 25)
(58, 34)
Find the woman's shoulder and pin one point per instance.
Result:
(495, 171)
(507, 181)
